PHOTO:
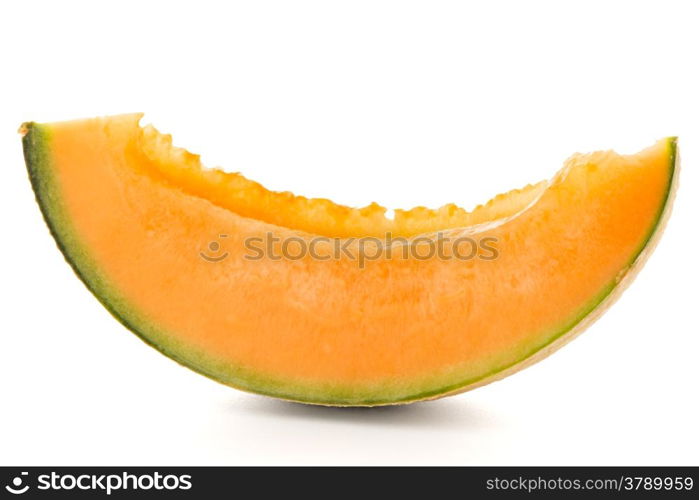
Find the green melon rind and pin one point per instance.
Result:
(36, 143)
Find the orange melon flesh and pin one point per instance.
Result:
(132, 215)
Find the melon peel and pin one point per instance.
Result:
(131, 212)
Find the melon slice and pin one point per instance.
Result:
(135, 217)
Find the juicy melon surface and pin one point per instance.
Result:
(132, 215)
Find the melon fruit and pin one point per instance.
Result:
(135, 217)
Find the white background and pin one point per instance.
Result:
(400, 102)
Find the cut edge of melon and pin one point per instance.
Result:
(183, 170)
(36, 142)
(234, 192)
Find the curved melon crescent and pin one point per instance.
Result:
(166, 246)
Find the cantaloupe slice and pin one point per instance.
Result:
(134, 216)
